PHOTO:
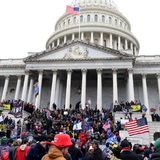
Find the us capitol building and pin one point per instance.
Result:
(100, 65)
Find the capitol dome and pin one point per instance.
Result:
(101, 23)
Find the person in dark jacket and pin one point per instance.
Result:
(75, 153)
(156, 154)
(97, 153)
(126, 153)
(13, 150)
(36, 152)
(89, 155)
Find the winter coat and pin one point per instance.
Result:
(36, 152)
(21, 152)
(98, 155)
(89, 156)
(4, 148)
(75, 153)
(130, 155)
(155, 156)
(54, 154)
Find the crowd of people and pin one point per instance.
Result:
(73, 134)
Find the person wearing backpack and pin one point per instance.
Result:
(4, 149)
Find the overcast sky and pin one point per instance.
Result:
(25, 25)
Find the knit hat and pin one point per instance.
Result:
(157, 144)
(125, 143)
(4, 140)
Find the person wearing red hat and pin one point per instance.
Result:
(59, 147)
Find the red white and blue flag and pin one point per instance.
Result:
(36, 89)
(106, 126)
(138, 126)
(72, 10)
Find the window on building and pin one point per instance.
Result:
(59, 26)
(103, 18)
(96, 41)
(74, 20)
(110, 20)
(120, 24)
(96, 18)
(81, 18)
(115, 21)
(104, 43)
(69, 21)
(88, 18)
(63, 24)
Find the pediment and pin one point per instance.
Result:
(78, 51)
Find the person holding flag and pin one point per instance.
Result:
(36, 89)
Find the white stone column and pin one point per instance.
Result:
(30, 92)
(130, 85)
(83, 88)
(82, 36)
(145, 92)
(65, 39)
(25, 86)
(18, 86)
(58, 41)
(92, 39)
(158, 81)
(38, 98)
(126, 44)
(101, 39)
(135, 50)
(53, 89)
(68, 89)
(119, 43)
(131, 46)
(73, 36)
(57, 91)
(115, 86)
(5, 88)
(53, 44)
(99, 89)
(110, 40)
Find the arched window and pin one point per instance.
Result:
(59, 26)
(96, 41)
(96, 18)
(63, 24)
(81, 18)
(74, 20)
(115, 21)
(103, 18)
(110, 20)
(69, 21)
(120, 24)
(88, 18)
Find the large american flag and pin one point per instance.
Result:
(138, 126)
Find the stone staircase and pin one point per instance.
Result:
(119, 115)
(6, 113)
(145, 138)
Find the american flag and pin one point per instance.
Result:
(138, 126)
(72, 10)
(106, 126)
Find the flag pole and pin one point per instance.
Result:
(79, 28)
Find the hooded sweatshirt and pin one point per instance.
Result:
(54, 154)
(21, 152)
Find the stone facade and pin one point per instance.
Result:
(101, 65)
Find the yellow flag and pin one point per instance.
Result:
(6, 106)
(135, 108)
